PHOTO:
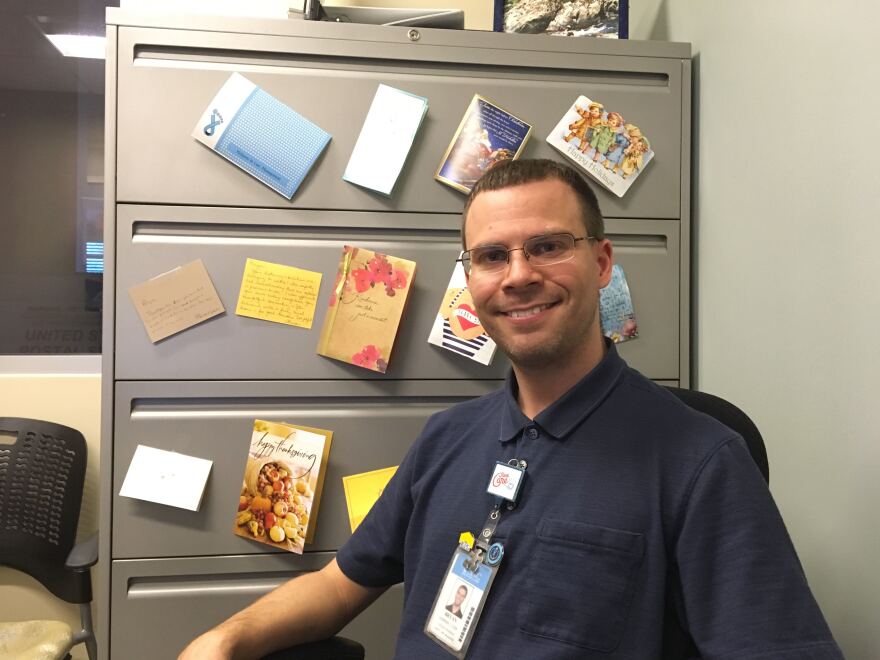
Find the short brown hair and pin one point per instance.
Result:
(509, 173)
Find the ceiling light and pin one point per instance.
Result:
(79, 45)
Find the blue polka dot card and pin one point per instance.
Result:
(263, 136)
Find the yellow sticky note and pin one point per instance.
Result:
(274, 292)
(362, 491)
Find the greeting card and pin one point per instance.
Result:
(457, 327)
(365, 308)
(487, 134)
(166, 477)
(362, 491)
(604, 144)
(282, 483)
(386, 138)
(261, 135)
(616, 309)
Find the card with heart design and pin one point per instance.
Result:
(457, 327)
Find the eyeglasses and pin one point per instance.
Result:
(543, 250)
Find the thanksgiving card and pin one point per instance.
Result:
(365, 308)
(283, 477)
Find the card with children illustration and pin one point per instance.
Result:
(602, 142)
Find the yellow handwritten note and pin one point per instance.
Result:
(362, 491)
(176, 300)
(274, 292)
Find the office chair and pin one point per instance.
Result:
(732, 417)
(41, 485)
(334, 648)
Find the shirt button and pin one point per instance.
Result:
(533, 433)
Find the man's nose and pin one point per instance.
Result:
(520, 270)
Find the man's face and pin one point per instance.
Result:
(545, 315)
(459, 596)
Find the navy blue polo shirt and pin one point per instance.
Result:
(642, 527)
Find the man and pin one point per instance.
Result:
(455, 606)
(642, 529)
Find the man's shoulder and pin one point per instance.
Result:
(664, 416)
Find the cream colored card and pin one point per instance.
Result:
(176, 300)
(274, 292)
(166, 477)
(362, 491)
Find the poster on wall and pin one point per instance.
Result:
(575, 18)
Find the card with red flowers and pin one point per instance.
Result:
(365, 308)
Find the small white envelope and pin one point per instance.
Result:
(166, 477)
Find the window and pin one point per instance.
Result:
(51, 181)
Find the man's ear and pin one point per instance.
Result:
(604, 261)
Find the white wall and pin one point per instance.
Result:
(788, 266)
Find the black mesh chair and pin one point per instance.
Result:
(42, 470)
(732, 417)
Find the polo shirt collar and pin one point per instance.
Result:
(561, 417)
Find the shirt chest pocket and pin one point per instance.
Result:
(580, 584)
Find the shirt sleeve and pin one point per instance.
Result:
(373, 556)
(743, 593)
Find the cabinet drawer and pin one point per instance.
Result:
(373, 424)
(159, 606)
(331, 80)
(154, 239)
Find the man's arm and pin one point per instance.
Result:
(308, 608)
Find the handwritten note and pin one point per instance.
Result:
(362, 491)
(274, 292)
(176, 300)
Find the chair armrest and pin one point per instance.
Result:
(84, 554)
(334, 648)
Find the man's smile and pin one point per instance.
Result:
(529, 311)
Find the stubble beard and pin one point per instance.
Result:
(557, 351)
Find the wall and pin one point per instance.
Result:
(787, 300)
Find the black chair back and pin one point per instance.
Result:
(42, 470)
(732, 417)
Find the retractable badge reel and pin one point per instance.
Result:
(475, 562)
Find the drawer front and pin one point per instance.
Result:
(159, 606)
(154, 239)
(373, 424)
(331, 81)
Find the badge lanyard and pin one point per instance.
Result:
(462, 595)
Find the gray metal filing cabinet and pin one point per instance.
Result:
(166, 574)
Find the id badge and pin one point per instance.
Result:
(459, 602)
